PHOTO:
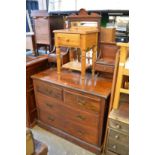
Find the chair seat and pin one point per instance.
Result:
(52, 57)
(109, 62)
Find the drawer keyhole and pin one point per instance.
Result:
(80, 132)
(49, 105)
(81, 102)
(80, 117)
(51, 118)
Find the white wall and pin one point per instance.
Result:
(42, 4)
(70, 5)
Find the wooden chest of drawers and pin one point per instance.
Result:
(118, 133)
(77, 113)
(33, 66)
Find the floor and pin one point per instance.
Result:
(57, 145)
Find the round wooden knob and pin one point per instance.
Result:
(118, 126)
(116, 136)
(114, 146)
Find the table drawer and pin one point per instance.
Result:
(117, 147)
(117, 136)
(49, 90)
(72, 40)
(91, 104)
(120, 126)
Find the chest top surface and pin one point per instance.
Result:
(96, 86)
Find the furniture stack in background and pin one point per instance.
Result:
(33, 66)
(117, 138)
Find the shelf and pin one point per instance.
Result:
(74, 65)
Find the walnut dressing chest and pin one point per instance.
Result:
(72, 108)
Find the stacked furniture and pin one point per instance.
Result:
(118, 130)
(118, 122)
(33, 65)
(79, 36)
(43, 25)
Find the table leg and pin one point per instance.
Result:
(94, 49)
(83, 63)
(58, 60)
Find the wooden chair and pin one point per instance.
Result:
(43, 25)
(108, 49)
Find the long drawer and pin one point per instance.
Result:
(49, 90)
(118, 125)
(84, 102)
(82, 132)
(119, 137)
(81, 117)
(117, 147)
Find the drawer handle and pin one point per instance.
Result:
(81, 102)
(118, 126)
(49, 105)
(51, 118)
(67, 40)
(114, 147)
(80, 117)
(116, 136)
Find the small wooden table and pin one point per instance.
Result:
(77, 38)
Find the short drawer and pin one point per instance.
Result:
(48, 104)
(120, 126)
(117, 147)
(49, 90)
(72, 40)
(91, 104)
(117, 136)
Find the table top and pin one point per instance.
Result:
(75, 31)
(98, 86)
